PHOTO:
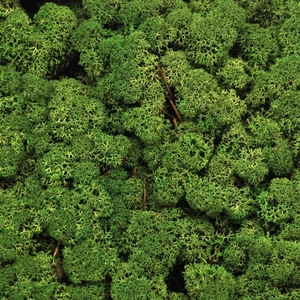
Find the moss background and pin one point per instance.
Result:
(96, 166)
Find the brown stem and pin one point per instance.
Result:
(171, 97)
(145, 196)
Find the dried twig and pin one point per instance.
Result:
(162, 74)
(176, 110)
(171, 97)
(57, 250)
(59, 270)
(144, 196)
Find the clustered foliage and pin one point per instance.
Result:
(40, 45)
(96, 163)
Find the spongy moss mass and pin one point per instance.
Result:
(139, 200)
